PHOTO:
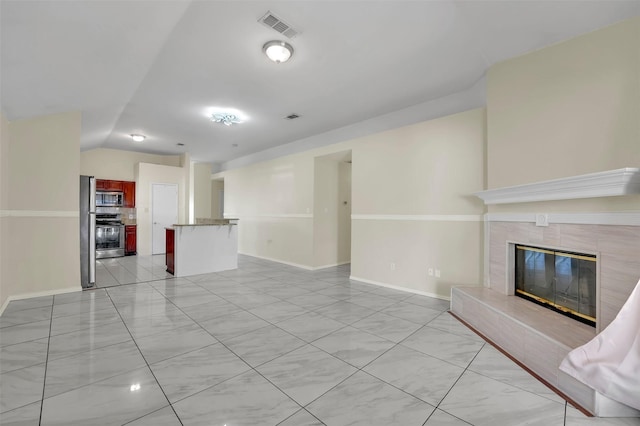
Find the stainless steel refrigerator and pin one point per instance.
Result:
(88, 231)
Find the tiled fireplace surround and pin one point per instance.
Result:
(536, 336)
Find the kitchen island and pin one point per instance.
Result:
(202, 248)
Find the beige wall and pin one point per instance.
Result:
(40, 228)
(331, 217)
(119, 165)
(202, 190)
(145, 176)
(274, 201)
(217, 185)
(428, 169)
(5, 286)
(569, 109)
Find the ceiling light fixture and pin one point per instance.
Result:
(138, 138)
(225, 118)
(278, 51)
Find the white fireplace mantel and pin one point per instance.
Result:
(610, 183)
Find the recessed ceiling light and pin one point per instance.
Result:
(278, 51)
(138, 138)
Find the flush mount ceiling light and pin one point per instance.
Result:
(138, 138)
(278, 51)
(225, 118)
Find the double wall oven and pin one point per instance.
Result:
(109, 233)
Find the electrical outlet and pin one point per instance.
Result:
(430, 272)
(392, 266)
(437, 273)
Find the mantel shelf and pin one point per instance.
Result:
(611, 183)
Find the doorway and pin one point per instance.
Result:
(164, 213)
(217, 198)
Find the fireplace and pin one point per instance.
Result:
(559, 280)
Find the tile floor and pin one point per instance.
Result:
(266, 344)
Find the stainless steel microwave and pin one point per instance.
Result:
(109, 199)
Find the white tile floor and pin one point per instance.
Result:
(266, 344)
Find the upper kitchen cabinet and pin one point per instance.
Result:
(109, 185)
(129, 190)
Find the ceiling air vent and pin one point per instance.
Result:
(272, 21)
(292, 117)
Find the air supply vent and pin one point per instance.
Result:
(272, 21)
(292, 117)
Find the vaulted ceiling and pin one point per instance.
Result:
(159, 67)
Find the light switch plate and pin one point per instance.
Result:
(542, 219)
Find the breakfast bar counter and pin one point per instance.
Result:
(202, 248)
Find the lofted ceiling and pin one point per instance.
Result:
(159, 67)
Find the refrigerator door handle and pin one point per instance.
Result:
(92, 248)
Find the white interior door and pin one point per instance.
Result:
(164, 213)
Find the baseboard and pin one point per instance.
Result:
(297, 265)
(37, 294)
(394, 287)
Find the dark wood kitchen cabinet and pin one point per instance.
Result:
(170, 253)
(130, 236)
(109, 185)
(129, 190)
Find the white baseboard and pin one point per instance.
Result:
(297, 265)
(37, 294)
(394, 287)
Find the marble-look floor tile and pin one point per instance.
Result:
(22, 355)
(72, 372)
(576, 418)
(310, 326)
(429, 302)
(148, 326)
(247, 399)
(491, 363)
(263, 345)
(67, 324)
(450, 324)
(312, 301)
(24, 332)
(76, 308)
(33, 302)
(192, 372)
(64, 345)
(252, 300)
(163, 417)
(21, 387)
(114, 401)
(340, 292)
(452, 348)
(420, 375)
(174, 342)
(301, 418)
(29, 415)
(362, 400)
(137, 310)
(371, 301)
(386, 326)
(201, 313)
(345, 312)
(306, 373)
(236, 324)
(25, 316)
(482, 401)
(410, 312)
(440, 418)
(85, 296)
(184, 301)
(286, 291)
(354, 346)
(278, 311)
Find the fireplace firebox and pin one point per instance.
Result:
(559, 280)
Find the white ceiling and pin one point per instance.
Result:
(156, 67)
